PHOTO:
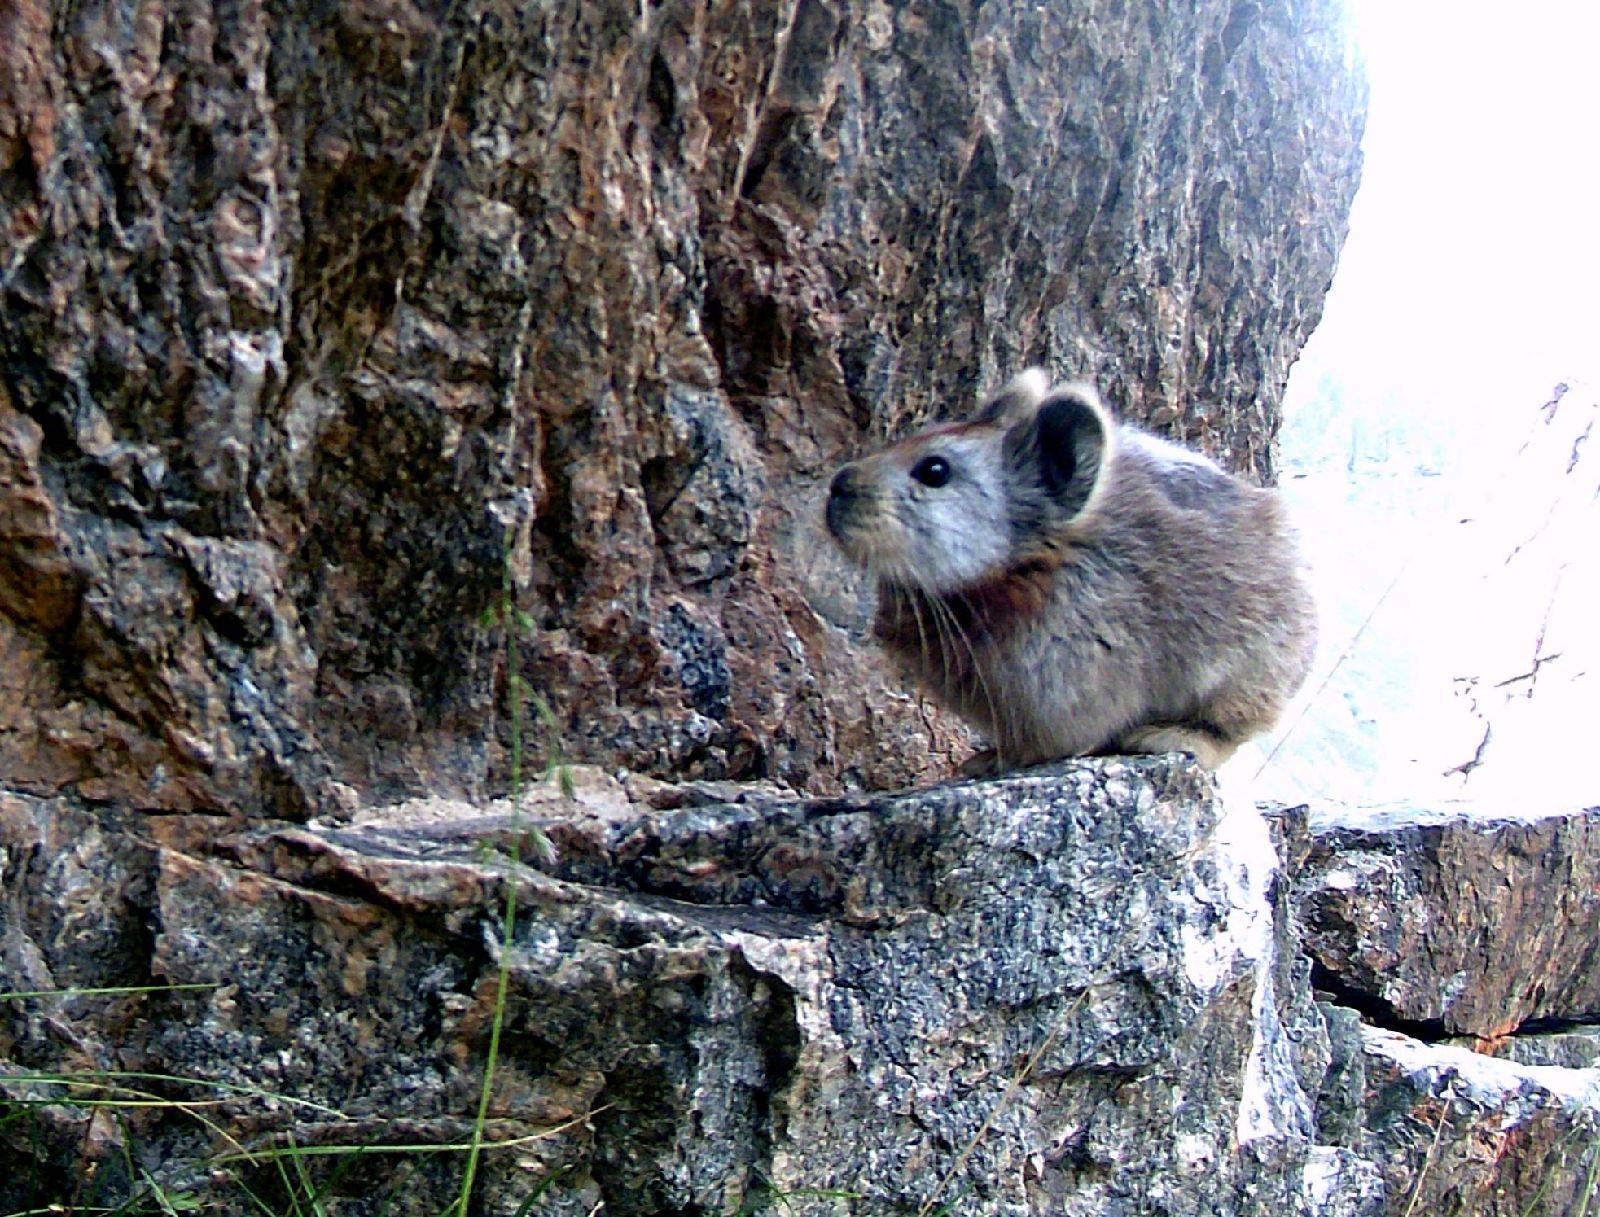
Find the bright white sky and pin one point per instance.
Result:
(1474, 246)
(1469, 286)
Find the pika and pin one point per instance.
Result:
(1070, 586)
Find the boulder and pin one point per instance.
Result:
(1460, 1134)
(1066, 991)
(1460, 946)
(1453, 919)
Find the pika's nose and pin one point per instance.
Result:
(842, 493)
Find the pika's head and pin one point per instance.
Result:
(955, 505)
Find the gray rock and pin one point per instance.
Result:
(1574, 1047)
(1459, 1134)
(1067, 991)
(1450, 920)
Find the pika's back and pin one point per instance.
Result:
(1072, 586)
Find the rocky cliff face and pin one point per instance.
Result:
(359, 362)
(319, 323)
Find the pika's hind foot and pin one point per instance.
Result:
(1170, 737)
(984, 763)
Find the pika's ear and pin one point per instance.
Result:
(1065, 448)
(1015, 402)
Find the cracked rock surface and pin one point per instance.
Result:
(1462, 949)
(1067, 991)
(1078, 989)
(1461, 1134)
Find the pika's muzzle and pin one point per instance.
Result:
(844, 494)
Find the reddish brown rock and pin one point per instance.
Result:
(315, 323)
(1456, 921)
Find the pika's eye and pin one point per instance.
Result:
(932, 471)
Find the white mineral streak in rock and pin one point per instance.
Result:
(1272, 1102)
(1454, 987)
(1324, 1171)
(1195, 1152)
(1486, 1080)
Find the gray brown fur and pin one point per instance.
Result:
(1077, 587)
